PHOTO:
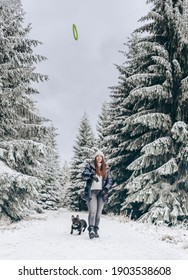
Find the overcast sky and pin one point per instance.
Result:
(81, 71)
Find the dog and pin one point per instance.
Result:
(78, 224)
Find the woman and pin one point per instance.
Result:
(98, 182)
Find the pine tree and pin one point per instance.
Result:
(102, 125)
(50, 193)
(156, 189)
(82, 152)
(65, 184)
(23, 135)
(115, 139)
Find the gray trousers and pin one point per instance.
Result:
(95, 207)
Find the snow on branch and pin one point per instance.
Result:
(139, 182)
(153, 47)
(159, 146)
(141, 79)
(183, 155)
(143, 161)
(152, 15)
(154, 121)
(168, 168)
(177, 67)
(141, 141)
(166, 209)
(180, 132)
(184, 90)
(152, 92)
(25, 154)
(163, 62)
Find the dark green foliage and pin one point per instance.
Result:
(28, 156)
(148, 133)
(83, 151)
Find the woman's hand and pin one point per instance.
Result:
(103, 192)
(95, 178)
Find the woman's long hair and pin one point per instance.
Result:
(101, 171)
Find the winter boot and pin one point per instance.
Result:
(96, 231)
(91, 232)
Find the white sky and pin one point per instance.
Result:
(80, 72)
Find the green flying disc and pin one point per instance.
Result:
(75, 32)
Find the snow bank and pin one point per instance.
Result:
(47, 236)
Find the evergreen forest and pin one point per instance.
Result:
(142, 129)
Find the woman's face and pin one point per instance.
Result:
(99, 158)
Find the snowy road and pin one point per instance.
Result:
(48, 237)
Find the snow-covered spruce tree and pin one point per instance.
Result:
(23, 135)
(115, 139)
(50, 192)
(157, 127)
(102, 125)
(82, 152)
(108, 143)
(65, 184)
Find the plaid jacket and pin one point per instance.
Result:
(87, 175)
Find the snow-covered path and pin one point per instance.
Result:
(48, 237)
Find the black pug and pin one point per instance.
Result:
(78, 224)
